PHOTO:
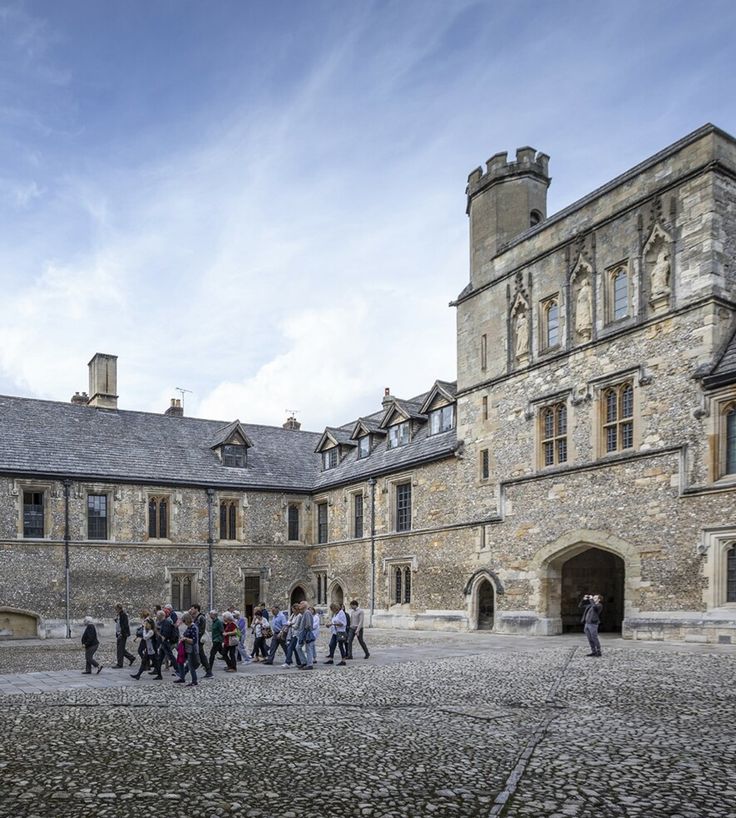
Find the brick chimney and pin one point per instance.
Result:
(292, 424)
(80, 398)
(387, 397)
(103, 381)
(176, 410)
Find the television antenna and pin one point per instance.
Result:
(181, 391)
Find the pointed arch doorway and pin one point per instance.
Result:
(486, 606)
(297, 595)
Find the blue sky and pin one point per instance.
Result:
(263, 202)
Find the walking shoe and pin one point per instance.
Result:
(101, 666)
(209, 675)
(130, 661)
(328, 662)
(367, 656)
(86, 673)
(591, 654)
(192, 684)
(178, 681)
(135, 676)
(118, 667)
(158, 678)
(286, 664)
(341, 663)
(266, 662)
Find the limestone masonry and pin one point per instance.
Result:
(588, 445)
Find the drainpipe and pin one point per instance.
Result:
(372, 484)
(67, 572)
(210, 542)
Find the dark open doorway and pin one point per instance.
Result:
(485, 606)
(298, 595)
(593, 571)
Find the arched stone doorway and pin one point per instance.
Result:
(593, 571)
(336, 595)
(486, 606)
(613, 565)
(297, 595)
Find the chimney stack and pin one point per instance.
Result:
(387, 397)
(80, 398)
(176, 410)
(103, 381)
(292, 424)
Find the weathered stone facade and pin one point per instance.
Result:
(589, 445)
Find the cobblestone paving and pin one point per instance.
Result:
(437, 726)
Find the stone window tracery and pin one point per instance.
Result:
(158, 518)
(33, 514)
(553, 434)
(401, 590)
(550, 323)
(96, 516)
(228, 520)
(618, 417)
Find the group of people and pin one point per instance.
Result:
(171, 640)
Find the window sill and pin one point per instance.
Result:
(159, 540)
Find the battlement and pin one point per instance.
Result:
(528, 162)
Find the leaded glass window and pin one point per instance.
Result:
(228, 520)
(442, 420)
(620, 293)
(357, 515)
(554, 434)
(618, 425)
(97, 517)
(322, 522)
(293, 522)
(398, 435)
(403, 507)
(158, 518)
(33, 514)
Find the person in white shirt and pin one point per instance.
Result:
(338, 629)
(357, 619)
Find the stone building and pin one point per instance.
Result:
(588, 445)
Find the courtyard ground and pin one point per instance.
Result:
(433, 724)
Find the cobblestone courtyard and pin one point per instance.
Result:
(431, 724)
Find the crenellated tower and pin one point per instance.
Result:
(504, 201)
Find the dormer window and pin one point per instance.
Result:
(364, 446)
(233, 455)
(398, 435)
(442, 419)
(329, 458)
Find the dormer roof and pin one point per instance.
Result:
(334, 436)
(367, 426)
(404, 410)
(232, 434)
(441, 390)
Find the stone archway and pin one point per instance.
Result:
(592, 571)
(298, 594)
(550, 577)
(482, 591)
(337, 597)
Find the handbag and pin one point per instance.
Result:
(267, 633)
(342, 636)
(310, 637)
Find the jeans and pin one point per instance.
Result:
(166, 651)
(351, 636)
(335, 642)
(191, 666)
(276, 643)
(259, 646)
(89, 660)
(203, 659)
(290, 651)
(307, 653)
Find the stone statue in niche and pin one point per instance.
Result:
(522, 334)
(661, 273)
(584, 310)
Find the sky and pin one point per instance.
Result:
(263, 202)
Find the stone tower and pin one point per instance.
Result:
(503, 202)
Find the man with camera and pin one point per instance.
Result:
(592, 607)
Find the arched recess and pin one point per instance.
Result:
(336, 592)
(546, 569)
(475, 592)
(17, 623)
(298, 591)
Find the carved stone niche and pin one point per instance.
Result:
(520, 329)
(658, 268)
(581, 290)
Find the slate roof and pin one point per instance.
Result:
(54, 439)
(50, 438)
(724, 371)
